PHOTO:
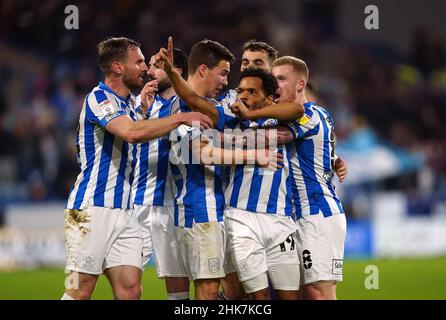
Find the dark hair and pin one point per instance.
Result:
(180, 61)
(113, 49)
(209, 53)
(254, 45)
(269, 82)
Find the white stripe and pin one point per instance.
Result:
(281, 197)
(152, 172)
(168, 192)
(209, 182)
(243, 196)
(181, 217)
(265, 189)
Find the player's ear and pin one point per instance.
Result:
(202, 70)
(301, 85)
(117, 67)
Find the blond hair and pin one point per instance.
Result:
(298, 65)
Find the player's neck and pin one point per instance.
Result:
(197, 84)
(301, 98)
(168, 93)
(117, 86)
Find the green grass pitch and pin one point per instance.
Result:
(398, 279)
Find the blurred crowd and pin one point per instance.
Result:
(46, 71)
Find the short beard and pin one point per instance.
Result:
(132, 85)
(164, 85)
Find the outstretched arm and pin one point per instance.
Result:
(164, 58)
(144, 130)
(282, 111)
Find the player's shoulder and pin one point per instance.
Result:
(228, 97)
(323, 115)
(100, 96)
(312, 108)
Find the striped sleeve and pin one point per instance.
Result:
(103, 108)
(305, 126)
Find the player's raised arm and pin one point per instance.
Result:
(165, 59)
(281, 111)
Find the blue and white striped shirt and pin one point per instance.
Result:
(197, 188)
(260, 190)
(106, 161)
(152, 184)
(311, 157)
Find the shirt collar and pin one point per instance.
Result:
(103, 86)
(308, 104)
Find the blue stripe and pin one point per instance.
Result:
(100, 96)
(237, 184)
(163, 160)
(273, 196)
(104, 168)
(288, 200)
(194, 192)
(254, 190)
(305, 154)
(221, 120)
(119, 188)
(143, 171)
(275, 186)
(179, 185)
(188, 216)
(223, 95)
(294, 189)
(90, 154)
(219, 195)
(175, 213)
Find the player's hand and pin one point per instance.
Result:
(164, 57)
(266, 158)
(284, 135)
(148, 93)
(241, 110)
(196, 119)
(340, 168)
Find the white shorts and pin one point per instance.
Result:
(203, 250)
(320, 243)
(262, 242)
(160, 240)
(99, 238)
